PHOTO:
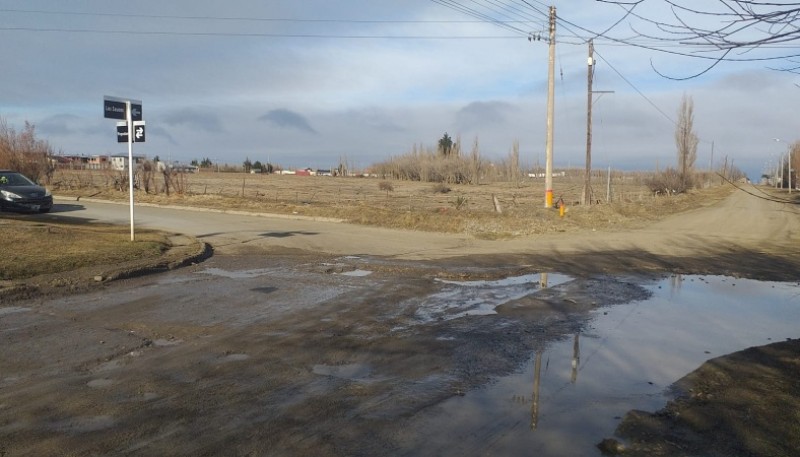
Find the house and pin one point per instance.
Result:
(120, 162)
(74, 162)
(97, 162)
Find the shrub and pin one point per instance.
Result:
(460, 202)
(440, 188)
(669, 182)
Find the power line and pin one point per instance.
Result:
(244, 19)
(260, 35)
(768, 197)
(515, 12)
(635, 88)
(478, 14)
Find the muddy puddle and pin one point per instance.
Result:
(572, 393)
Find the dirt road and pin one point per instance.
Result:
(316, 338)
(741, 224)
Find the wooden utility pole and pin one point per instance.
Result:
(711, 163)
(537, 374)
(551, 76)
(587, 179)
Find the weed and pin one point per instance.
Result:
(460, 202)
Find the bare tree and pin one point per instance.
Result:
(475, 163)
(686, 139)
(514, 170)
(794, 164)
(713, 30)
(24, 152)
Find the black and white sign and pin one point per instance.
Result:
(114, 108)
(129, 111)
(138, 132)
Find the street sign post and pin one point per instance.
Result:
(114, 108)
(138, 132)
(129, 111)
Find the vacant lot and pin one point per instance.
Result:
(414, 205)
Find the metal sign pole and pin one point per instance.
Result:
(130, 159)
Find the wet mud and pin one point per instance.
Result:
(288, 352)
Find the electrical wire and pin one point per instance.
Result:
(261, 35)
(511, 15)
(768, 198)
(666, 116)
(454, 5)
(241, 18)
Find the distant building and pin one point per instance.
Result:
(98, 162)
(120, 162)
(80, 162)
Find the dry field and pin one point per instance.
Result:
(413, 205)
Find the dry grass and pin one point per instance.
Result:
(30, 249)
(417, 205)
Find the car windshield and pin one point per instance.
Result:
(14, 179)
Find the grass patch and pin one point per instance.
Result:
(31, 249)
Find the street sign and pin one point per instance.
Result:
(136, 111)
(138, 132)
(114, 108)
(131, 112)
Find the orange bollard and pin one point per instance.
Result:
(561, 208)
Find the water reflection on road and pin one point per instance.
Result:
(573, 393)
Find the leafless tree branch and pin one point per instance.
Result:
(721, 27)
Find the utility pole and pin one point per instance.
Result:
(711, 163)
(551, 76)
(587, 179)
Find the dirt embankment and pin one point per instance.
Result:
(741, 404)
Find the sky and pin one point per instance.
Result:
(311, 83)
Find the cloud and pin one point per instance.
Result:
(373, 118)
(163, 133)
(196, 119)
(483, 114)
(288, 119)
(59, 124)
(373, 98)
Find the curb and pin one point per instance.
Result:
(81, 279)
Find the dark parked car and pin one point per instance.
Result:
(18, 193)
